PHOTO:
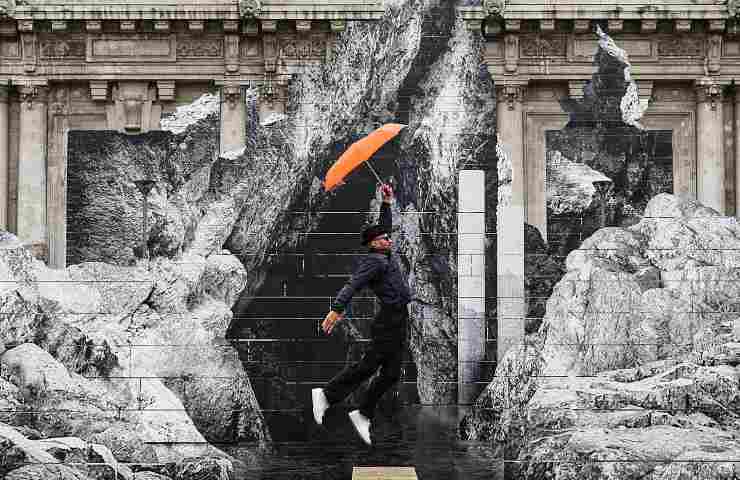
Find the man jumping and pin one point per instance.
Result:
(381, 273)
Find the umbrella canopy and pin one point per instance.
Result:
(359, 152)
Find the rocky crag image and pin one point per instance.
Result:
(140, 351)
(632, 370)
(182, 338)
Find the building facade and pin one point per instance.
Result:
(685, 57)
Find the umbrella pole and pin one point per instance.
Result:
(373, 170)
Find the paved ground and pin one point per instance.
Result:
(423, 437)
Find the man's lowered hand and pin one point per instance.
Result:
(331, 318)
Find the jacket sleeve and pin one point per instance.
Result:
(386, 219)
(367, 270)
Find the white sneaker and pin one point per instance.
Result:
(362, 425)
(320, 404)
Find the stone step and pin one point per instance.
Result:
(384, 473)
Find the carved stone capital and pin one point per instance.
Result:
(231, 94)
(511, 94)
(250, 8)
(30, 94)
(708, 91)
(495, 7)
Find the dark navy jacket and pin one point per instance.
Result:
(380, 272)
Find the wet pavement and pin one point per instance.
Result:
(424, 437)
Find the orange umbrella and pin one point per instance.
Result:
(360, 152)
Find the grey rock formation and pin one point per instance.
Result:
(638, 348)
(570, 184)
(541, 273)
(451, 127)
(121, 310)
(203, 207)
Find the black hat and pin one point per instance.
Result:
(369, 234)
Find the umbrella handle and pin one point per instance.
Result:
(367, 162)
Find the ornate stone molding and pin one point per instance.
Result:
(250, 8)
(231, 94)
(166, 90)
(575, 88)
(511, 52)
(30, 94)
(99, 90)
(714, 52)
(337, 25)
(132, 106)
(231, 53)
(733, 7)
(708, 91)
(59, 100)
(511, 94)
(495, 7)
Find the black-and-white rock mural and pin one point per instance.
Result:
(185, 337)
(639, 326)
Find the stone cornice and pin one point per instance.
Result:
(560, 56)
(613, 10)
(193, 10)
(681, 13)
(247, 26)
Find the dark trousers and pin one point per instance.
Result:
(385, 351)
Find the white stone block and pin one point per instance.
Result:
(471, 191)
(471, 222)
(470, 243)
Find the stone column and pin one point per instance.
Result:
(471, 283)
(32, 228)
(233, 119)
(511, 304)
(710, 165)
(4, 154)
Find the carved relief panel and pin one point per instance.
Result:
(10, 48)
(199, 46)
(542, 45)
(62, 46)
